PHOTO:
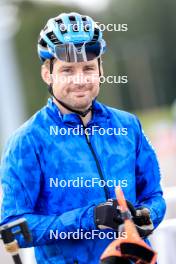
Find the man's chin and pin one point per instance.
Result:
(82, 107)
(82, 103)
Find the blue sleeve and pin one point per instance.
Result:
(149, 192)
(20, 178)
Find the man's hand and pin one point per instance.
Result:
(107, 215)
(143, 222)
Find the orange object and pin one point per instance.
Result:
(132, 247)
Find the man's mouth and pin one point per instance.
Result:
(80, 93)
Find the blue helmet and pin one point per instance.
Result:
(71, 37)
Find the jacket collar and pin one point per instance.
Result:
(100, 114)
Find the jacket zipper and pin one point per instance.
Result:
(97, 164)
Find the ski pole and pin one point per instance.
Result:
(132, 247)
(8, 234)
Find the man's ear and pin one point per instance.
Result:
(45, 73)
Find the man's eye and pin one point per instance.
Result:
(67, 70)
(89, 69)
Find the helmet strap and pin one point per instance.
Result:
(99, 67)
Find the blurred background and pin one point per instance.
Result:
(145, 53)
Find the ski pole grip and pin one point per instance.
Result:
(8, 231)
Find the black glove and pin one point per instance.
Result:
(142, 220)
(107, 215)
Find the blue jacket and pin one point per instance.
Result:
(44, 157)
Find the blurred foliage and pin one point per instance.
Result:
(145, 53)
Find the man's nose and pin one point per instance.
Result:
(79, 78)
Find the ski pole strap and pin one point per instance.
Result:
(137, 252)
(115, 260)
(128, 252)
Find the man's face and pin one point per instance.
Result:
(76, 84)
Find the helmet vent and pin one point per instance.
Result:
(62, 28)
(84, 18)
(96, 34)
(73, 21)
(75, 27)
(72, 18)
(61, 25)
(42, 42)
(59, 21)
(53, 38)
(86, 26)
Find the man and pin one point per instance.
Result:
(59, 169)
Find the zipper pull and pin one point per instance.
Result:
(87, 136)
